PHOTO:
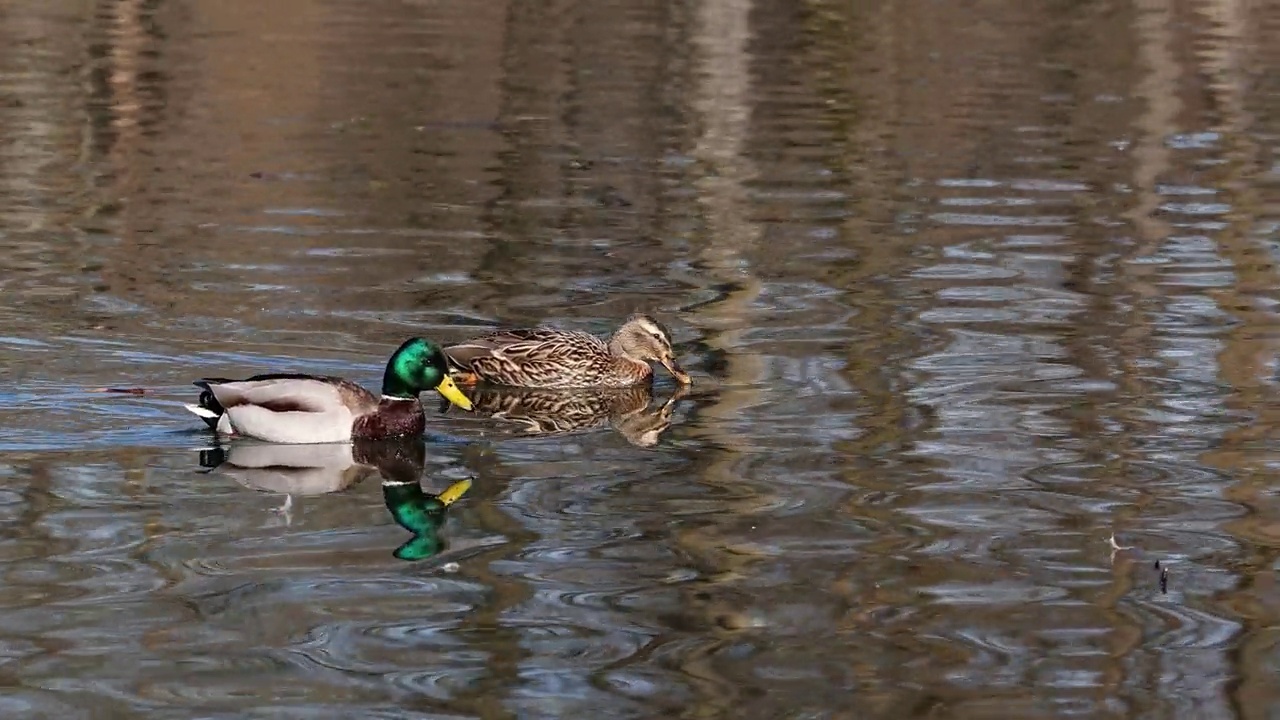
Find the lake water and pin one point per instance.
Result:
(981, 303)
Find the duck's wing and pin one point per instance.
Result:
(538, 357)
(524, 345)
(292, 408)
(290, 392)
(207, 407)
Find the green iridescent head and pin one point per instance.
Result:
(419, 365)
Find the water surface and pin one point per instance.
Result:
(971, 294)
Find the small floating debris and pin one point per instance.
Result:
(124, 391)
(1164, 578)
(1117, 546)
(1156, 565)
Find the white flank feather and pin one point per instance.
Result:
(293, 426)
(326, 418)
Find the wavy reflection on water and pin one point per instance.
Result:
(559, 412)
(330, 468)
(970, 290)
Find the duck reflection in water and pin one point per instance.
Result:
(327, 468)
(558, 412)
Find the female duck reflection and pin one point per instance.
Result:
(557, 412)
(333, 467)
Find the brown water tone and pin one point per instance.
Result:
(979, 300)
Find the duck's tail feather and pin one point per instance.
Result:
(207, 407)
(203, 412)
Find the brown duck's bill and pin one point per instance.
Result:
(674, 368)
(450, 391)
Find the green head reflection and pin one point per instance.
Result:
(421, 513)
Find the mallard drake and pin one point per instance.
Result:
(298, 408)
(550, 358)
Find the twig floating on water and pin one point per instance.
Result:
(1117, 546)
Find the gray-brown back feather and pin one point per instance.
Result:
(541, 356)
(526, 344)
(316, 393)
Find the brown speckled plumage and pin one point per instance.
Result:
(550, 358)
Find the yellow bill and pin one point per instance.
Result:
(449, 389)
(454, 492)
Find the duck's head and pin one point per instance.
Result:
(645, 339)
(417, 366)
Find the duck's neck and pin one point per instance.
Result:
(631, 369)
(615, 347)
(629, 365)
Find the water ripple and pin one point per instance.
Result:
(950, 336)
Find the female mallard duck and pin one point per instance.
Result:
(297, 408)
(549, 358)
